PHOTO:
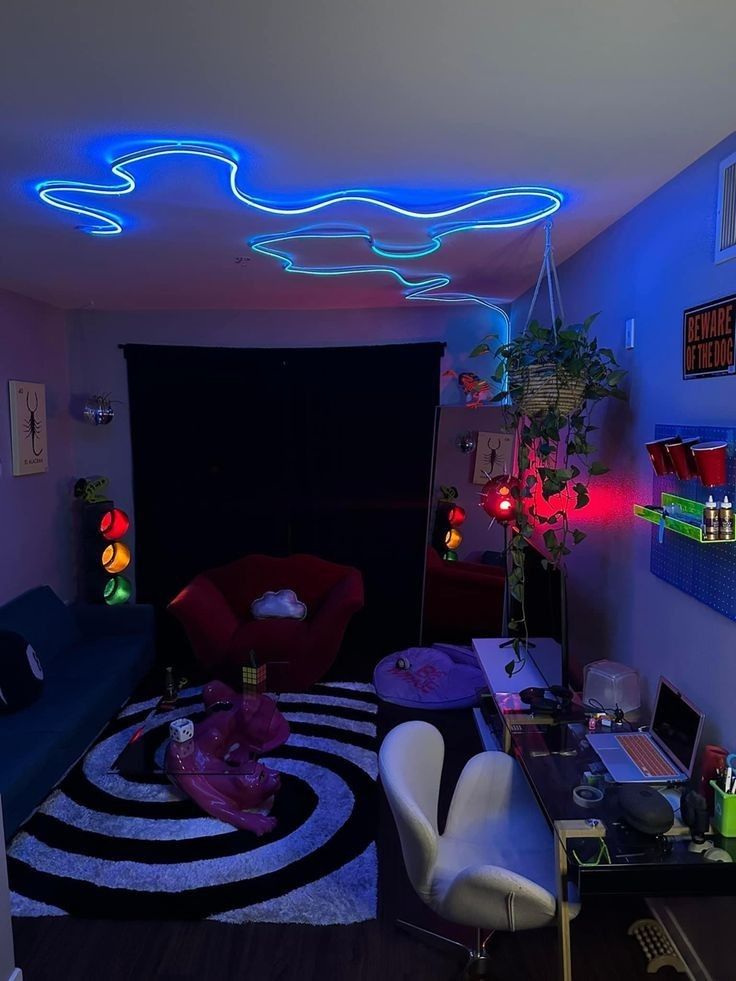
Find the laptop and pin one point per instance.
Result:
(664, 754)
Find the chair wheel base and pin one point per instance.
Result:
(478, 967)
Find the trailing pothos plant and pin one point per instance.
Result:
(551, 378)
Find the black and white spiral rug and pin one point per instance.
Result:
(104, 846)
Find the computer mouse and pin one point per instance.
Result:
(717, 855)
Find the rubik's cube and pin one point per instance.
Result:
(254, 678)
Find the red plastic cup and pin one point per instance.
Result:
(659, 456)
(712, 760)
(682, 457)
(711, 461)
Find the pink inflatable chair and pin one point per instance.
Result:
(215, 763)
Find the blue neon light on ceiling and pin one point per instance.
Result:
(417, 288)
(64, 195)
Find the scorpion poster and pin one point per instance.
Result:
(28, 427)
(493, 455)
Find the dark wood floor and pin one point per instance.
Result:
(56, 949)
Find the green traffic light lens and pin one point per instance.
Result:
(118, 591)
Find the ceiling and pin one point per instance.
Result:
(423, 102)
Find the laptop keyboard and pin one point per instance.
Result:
(649, 760)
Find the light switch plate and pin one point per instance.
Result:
(630, 324)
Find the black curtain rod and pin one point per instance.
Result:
(122, 347)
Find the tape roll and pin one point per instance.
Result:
(587, 796)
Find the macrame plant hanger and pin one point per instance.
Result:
(548, 269)
(543, 385)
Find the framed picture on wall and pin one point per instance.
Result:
(493, 455)
(28, 427)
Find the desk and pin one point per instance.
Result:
(541, 666)
(553, 758)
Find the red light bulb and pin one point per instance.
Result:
(114, 524)
(456, 515)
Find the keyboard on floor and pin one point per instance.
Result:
(649, 760)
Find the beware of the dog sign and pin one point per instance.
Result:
(709, 332)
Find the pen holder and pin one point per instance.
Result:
(724, 813)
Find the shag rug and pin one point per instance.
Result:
(105, 846)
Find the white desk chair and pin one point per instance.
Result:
(493, 868)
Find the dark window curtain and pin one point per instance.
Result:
(326, 451)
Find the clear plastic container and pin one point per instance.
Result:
(608, 684)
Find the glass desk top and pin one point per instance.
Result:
(554, 757)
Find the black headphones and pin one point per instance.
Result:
(548, 700)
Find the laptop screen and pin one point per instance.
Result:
(676, 724)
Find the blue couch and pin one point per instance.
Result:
(92, 657)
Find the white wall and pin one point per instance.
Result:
(7, 965)
(650, 265)
(36, 510)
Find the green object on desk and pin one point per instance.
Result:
(724, 815)
(595, 779)
(602, 857)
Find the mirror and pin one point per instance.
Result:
(464, 575)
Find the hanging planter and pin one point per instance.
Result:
(554, 376)
(541, 388)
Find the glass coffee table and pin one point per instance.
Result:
(208, 749)
(144, 754)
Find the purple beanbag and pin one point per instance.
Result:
(439, 677)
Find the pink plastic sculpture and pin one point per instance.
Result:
(254, 719)
(218, 768)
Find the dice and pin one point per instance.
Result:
(181, 730)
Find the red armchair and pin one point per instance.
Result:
(215, 612)
(462, 600)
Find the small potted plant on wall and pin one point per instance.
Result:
(554, 377)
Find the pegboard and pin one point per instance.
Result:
(707, 572)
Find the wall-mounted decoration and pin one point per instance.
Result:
(98, 410)
(708, 339)
(92, 490)
(446, 537)
(103, 556)
(494, 455)
(683, 551)
(465, 442)
(28, 427)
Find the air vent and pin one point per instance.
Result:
(726, 217)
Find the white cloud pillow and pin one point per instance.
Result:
(282, 604)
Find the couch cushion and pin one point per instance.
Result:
(44, 620)
(50, 735)
(119, 660)
(27, 777)
(85, 686)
